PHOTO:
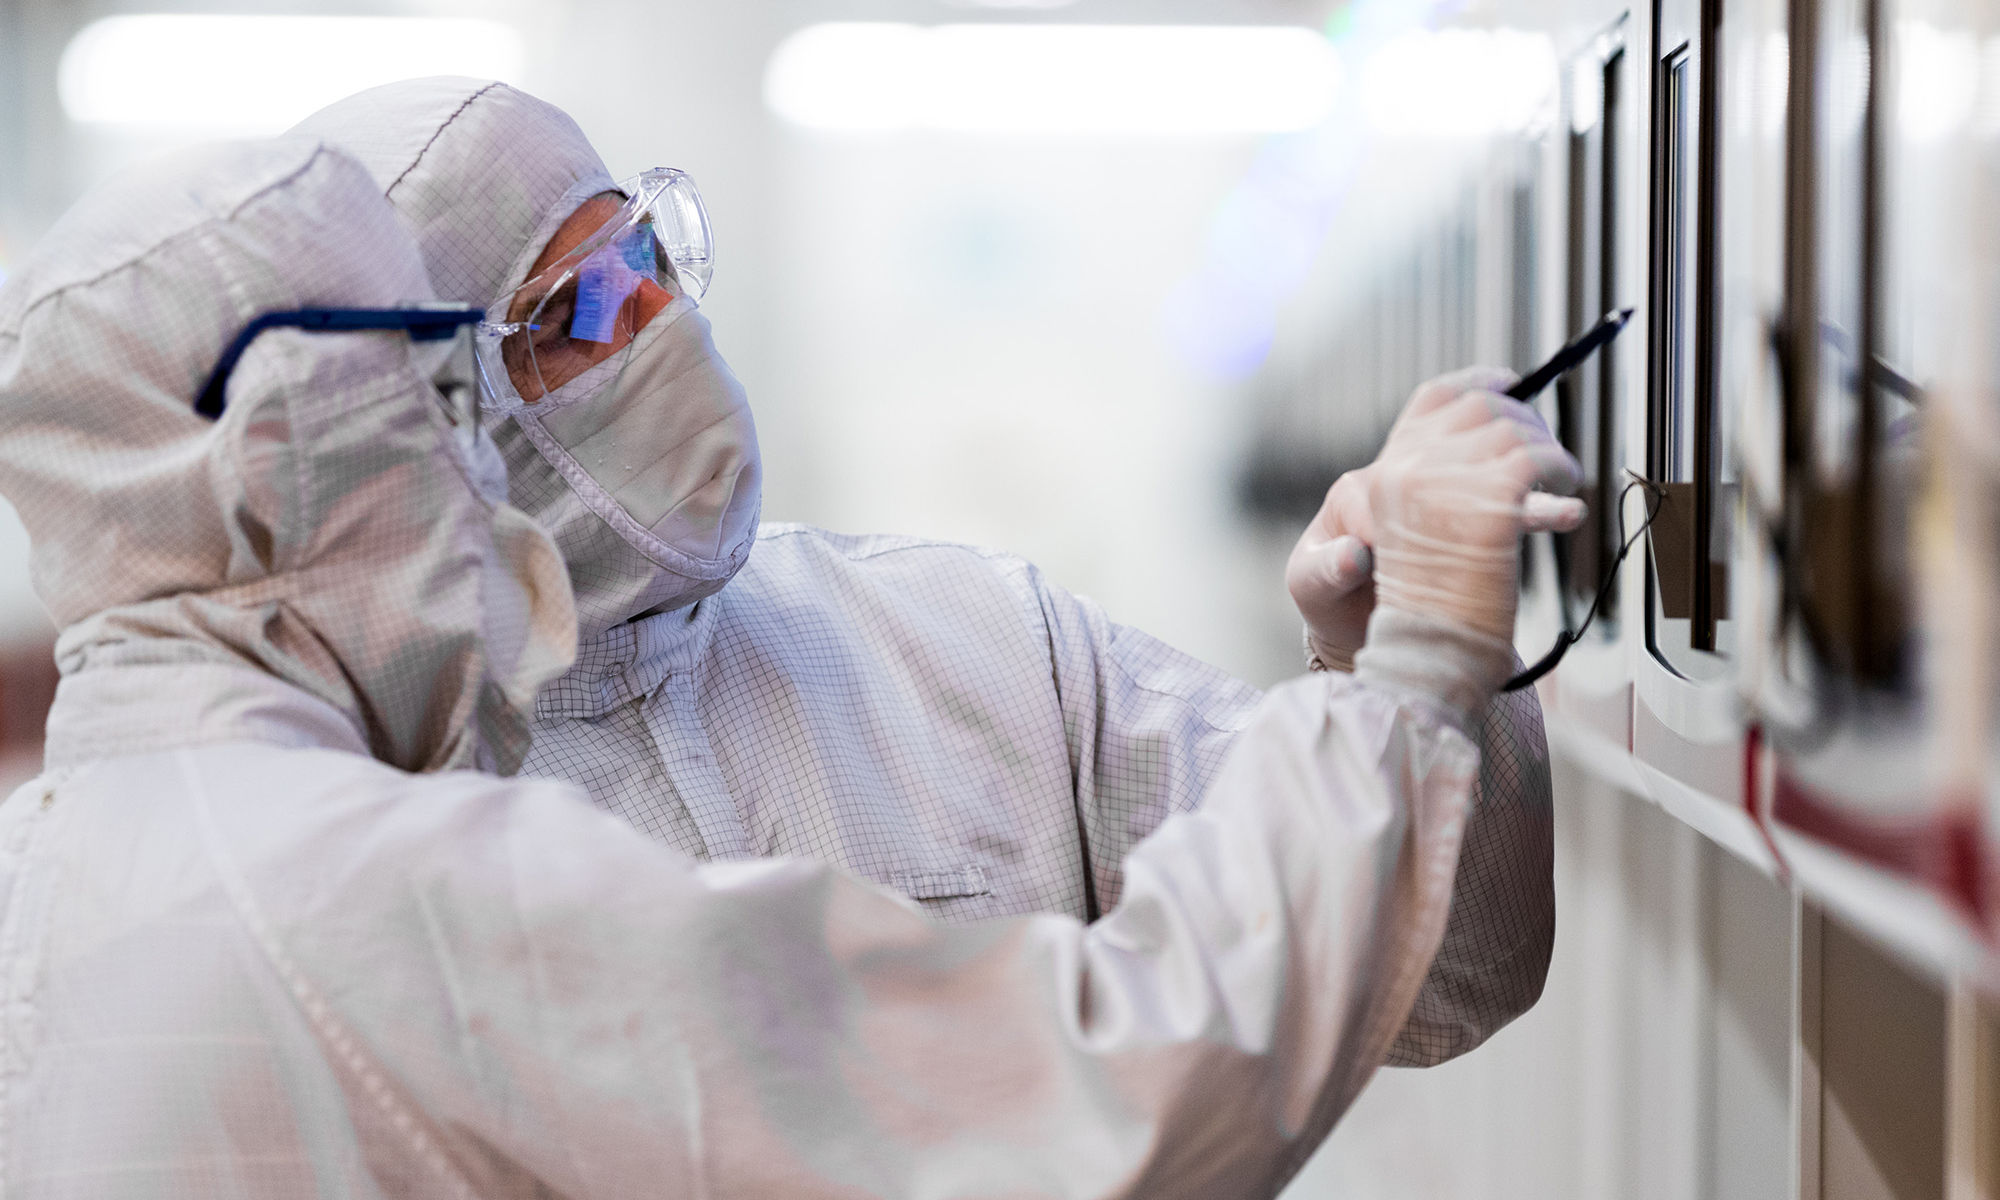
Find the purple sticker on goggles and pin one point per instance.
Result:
(601, 287)
(606, 280)
(636, 248)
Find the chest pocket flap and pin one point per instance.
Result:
(952, 884)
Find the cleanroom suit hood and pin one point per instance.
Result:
(329, 530)
(644, 469)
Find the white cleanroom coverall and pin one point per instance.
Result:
(243, 953)
(937, 718)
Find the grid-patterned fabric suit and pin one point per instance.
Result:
(934, 718)
(241, 956)
(943, 721)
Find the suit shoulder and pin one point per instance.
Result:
(788, 546)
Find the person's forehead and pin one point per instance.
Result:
(589, 217)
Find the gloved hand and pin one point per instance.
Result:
(1446, 452)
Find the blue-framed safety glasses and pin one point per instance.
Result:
(456, 378)
(590, 303)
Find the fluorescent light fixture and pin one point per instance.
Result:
(260, 74)
(1464, 83)
(1053, 79)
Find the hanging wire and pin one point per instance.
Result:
(1656, 496)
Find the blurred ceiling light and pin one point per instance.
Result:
(261, 74)
(1461, 83)
(1053, 79)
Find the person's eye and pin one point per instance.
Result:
(524, 304)
(555, 316)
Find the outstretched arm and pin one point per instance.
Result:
(547, 991)
(1147, 726)
(527, 987)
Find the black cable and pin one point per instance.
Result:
(1568, 637)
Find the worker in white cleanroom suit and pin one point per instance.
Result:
(246, 952)
(937, 718)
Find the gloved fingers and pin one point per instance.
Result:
(1344, 511)
(1334, 569)
(1486, 446)
(1471, 409)
(1333, 584)
(1543, 513)
(1500, 438)
(1435, 394)
(1465, 472)
(1526, 416)
(1544, 467)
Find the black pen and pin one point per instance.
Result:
(1571, 356)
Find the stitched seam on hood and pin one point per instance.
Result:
(456, 113)
(199, 229)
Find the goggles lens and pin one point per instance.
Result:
(590, 303)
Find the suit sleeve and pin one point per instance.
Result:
(1147, 728)
(548, 994)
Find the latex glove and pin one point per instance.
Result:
(1331, 570)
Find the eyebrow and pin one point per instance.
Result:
(526, 302)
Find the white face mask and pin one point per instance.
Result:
(644, 468)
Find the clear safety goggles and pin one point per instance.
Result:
(591, 302)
